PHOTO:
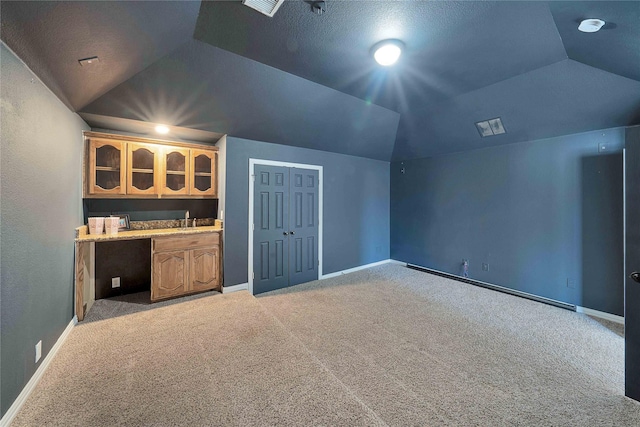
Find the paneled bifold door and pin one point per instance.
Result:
(285, 227)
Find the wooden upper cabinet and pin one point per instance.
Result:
(133, 167)
(203, 173)
(106, 172)
(143, 168)
(175, 174)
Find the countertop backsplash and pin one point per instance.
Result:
(169, 223)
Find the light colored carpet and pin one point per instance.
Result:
(420, 349)
(214, 361)
(388, 345)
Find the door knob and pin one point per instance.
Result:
(285, 233)
(635, 276)
(292, 232)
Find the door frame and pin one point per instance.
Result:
(252, 163)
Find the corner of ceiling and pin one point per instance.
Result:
(555, 26)
(107, 89)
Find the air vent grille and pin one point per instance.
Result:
(267, 7)
(491, 127)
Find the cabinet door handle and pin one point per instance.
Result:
(285, 233)
(635, 276)
(292, 232)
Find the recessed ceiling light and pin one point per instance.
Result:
(590, 25)
(162, 129)
(387, 52)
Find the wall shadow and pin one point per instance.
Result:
(602, 233)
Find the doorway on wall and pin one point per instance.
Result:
(632, 265)
(285, 224)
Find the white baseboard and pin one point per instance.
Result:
(33, 382)
(351, 270)
(600, 314)
(394, 261)
(235, 288)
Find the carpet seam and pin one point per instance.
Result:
(314, 357)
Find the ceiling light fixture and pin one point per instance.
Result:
(162, 129)
(591, 25)
(387, 52)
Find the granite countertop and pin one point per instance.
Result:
(82, 234)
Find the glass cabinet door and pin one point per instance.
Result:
(176, 171)
(142, 169)
(203, 173)
(131, 167)
(106, 167)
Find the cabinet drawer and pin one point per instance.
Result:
(185, 242)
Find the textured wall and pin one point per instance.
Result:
(539, 213)
(222, 174)
(356, 206)
(41, 205)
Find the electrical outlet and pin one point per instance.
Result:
(571, 283)
(115, 282)
(485, 266)
(38, 350)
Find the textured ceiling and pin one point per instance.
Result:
(203, 87)
(451, 47)
(562, 98)
(309, 80)
(50, 37)
(615, 48)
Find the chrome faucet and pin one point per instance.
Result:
(193, 223)
(186, 219)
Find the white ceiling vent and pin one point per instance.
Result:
(268, 7)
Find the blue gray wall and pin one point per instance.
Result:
(41, 205)
(356, 206)
(545, 215)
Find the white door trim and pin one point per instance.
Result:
(252, 163)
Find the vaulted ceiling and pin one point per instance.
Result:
(309, 80)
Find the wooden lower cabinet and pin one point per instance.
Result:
(170, 274)
(203, 268)
(185, 264)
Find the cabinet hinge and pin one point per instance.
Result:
(253, 275)
(253, 177)
(253, 226)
